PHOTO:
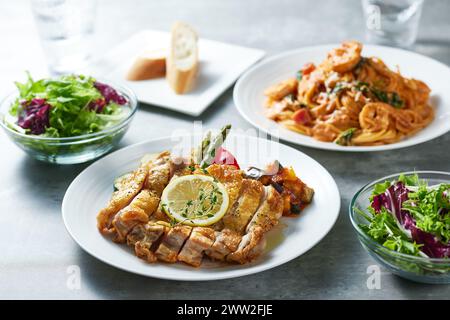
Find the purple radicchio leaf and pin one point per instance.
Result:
(431, 245)
(109, 93)
(97, 105)
(392, 199)
(34, 116)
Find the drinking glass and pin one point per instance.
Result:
(392, 22)
(66, 28)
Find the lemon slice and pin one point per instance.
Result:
(195, 200)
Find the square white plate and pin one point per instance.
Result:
(220, 65)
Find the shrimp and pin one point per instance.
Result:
(346, 57)
(376, 116)
(282, 89)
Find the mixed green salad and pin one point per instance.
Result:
(409, 216)
(67, 106)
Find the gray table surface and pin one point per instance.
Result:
(36, 250)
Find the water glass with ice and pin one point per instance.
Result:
(66, 29)
(392, 22)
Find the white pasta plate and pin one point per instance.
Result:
(249, 98)
(294, 236)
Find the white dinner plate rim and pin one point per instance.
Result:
(329, 146)
(238, 273)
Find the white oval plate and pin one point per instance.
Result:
(91, 190)
(249, 98)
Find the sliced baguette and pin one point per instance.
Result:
(182, 62)
(148, 65)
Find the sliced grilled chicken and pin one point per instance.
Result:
(226, 242)
(244, 208)
(269, 212)
(159, 215)
(159, 174)
(143, 237)
(236, 219)
(137, 212)
(250, 247)
(201, 239)
(172, 242)
(232, 179)
(134, 215)
(121, 198)
(147, 201)
(266, 217)
(146, 232)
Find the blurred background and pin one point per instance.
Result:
(274, 26)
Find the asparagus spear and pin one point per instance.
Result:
(205, 143)
(211, 146)
(199, 151)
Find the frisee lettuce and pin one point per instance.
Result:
(428, 210)
(383, 229)
(409, 216)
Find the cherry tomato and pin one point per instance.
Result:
(308, 68)
(302, 116)
(223, 156)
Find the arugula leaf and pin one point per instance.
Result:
(299, 75)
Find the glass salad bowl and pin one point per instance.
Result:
(69, 150)
(415, 268)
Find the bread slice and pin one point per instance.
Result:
(182, 62)
(148, 65)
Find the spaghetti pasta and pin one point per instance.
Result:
(351, 100)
